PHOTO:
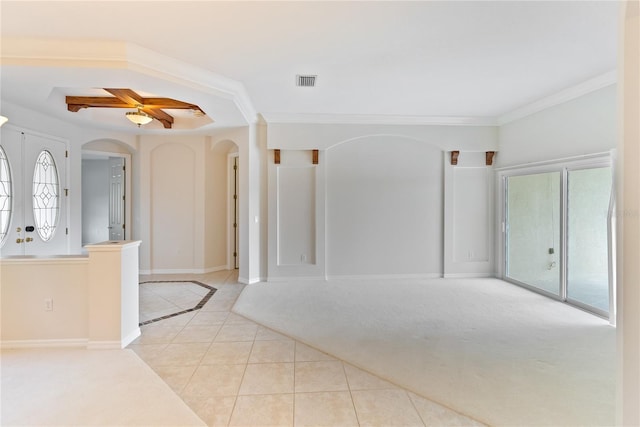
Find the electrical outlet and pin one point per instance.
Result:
(48, 304)
(303, 258)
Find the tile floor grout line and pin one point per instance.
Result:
(246, 364)
(353, 403)
(295, 394)
(415, 408)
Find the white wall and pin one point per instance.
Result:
(468, 216)
(94, 299)
(584, 125)
(296, 216)
(300, 136)
(374, 204)
(25, 284)
(183, 203)
(172, 182)
(384, 208)
(629, 217)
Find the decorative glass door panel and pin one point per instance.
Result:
(6, 195)
(46, 196)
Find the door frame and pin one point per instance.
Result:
(232, 188)
(127, 184)
(564, 165)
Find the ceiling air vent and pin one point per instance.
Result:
(306, 81)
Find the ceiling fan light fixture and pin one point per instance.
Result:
(139, 117)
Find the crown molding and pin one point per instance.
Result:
(561, 97)
(375, 119)
(113, 54)
(150, 62)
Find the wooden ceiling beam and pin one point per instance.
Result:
(169, 103)
(161, 116)
(75, 103)
(127, 95)
(126, 98)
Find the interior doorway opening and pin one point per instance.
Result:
(223, 207)
(106, 200)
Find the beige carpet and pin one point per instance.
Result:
(65, 387)
(486, 348)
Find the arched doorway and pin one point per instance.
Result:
(106, 191)
(223, 218)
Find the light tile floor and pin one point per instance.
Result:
(234, 372)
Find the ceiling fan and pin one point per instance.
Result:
(147, 109)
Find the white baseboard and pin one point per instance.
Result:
(183, 270)
(214, 269)
(129, 338)
(75, 342)
(104, 345)
(301, 278)
(246, 281)
(467, 275)
(384, 276)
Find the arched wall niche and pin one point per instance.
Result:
(174, 240)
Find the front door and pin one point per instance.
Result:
(37, 223)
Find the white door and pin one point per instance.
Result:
(116, 198)
(38, 220)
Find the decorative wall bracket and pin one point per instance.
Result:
(489, 157)
(454, 157)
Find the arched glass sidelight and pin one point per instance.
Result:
(5, 195)
(46, 201)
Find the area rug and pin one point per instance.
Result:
(488, 349)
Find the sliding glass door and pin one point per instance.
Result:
(533, 231)
(556, 233)
(588, 194)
